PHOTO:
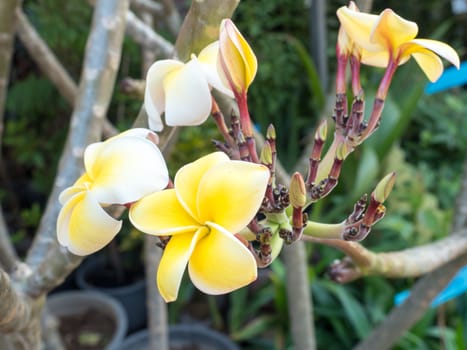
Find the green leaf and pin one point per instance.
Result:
(257, 326)
(354, 312)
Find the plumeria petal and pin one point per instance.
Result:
(126, 169)
(440, 48)
(221, 263)
(174, 260)
(154, 96)
(83, 226)
(81, 184)
(230, 194)
(358, 26)
(189, 176)
(188, 98)
(161, 213)
(207, 59)
(92, 151)
(430, 63)
(391, 30)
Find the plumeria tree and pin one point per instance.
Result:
(231, 212)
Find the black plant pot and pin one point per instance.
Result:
(132, 296)
(183, 337)
(87, 308)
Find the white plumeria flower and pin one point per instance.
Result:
(119, 170)
(182, 90)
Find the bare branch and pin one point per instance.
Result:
(7, 30)
(8, 256)
(172, 17)
(144, 35)
(45, 59)
(411, 262)
(386, 335)
(14, 308)
(49, 64)
(100, 67)
(148, 6)
(157, 308)
(424, 291)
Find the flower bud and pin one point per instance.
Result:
(236, 58)
(297, 191)
(266, 154)
(384, 187)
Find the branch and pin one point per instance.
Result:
(15, 310)
(424, 291)
(157, 308)
(51, 263)
(49, 64)
(145, 36)
(172, 17)
(413, 308)
(148, 6)
(411, 262)
(300, 306)
(45, 59)
(8, 256)
(7, 30)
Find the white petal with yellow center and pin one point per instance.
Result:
(187, 96)
(83, 226)
(154, 96)
(126, 169)
(220, 263)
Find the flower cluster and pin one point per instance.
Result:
(207, 218)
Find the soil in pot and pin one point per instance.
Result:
(89, 330)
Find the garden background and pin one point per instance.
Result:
(422, 137)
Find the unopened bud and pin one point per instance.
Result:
(266, 154)
(384, 187)
(297, 191)
(322, 131)
(271, 132)
(341, 152)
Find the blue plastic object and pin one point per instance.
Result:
(456, 287)
(450, 78)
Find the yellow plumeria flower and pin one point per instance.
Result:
(344, 43)
(182, 90)
(119, 170)
(388, 38)
(213, 198)
(237, 61)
